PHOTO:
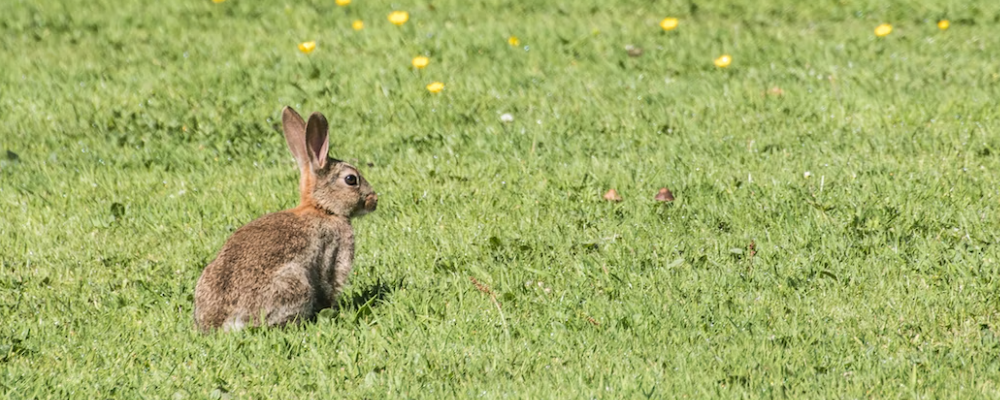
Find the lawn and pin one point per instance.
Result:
(835, 231)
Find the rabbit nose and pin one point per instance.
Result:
(371, 201)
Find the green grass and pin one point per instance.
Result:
(139, 135)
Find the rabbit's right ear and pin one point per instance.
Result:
(317, 139)
(295, 134)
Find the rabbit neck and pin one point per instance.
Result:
(313, 210)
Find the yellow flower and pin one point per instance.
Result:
(723, 61)
(307, 47)
(342, 2)
(669, 24)
(514, 41)
(883, 30)
(435, 87)
(218, 1)
(419, 62)
(399, 18)
(943, 24)
(358, 25)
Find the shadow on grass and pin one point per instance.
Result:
(362, 302)
(359, 303)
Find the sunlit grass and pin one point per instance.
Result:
(831, 228)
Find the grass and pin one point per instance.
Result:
(138, 135)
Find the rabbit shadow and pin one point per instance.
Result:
(372, 296)
(358, 305)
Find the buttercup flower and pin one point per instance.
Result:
(435, 87)
(883, 30)
(358, 25)
(723, 61)
(669, 24)
(342, 2)
(307, 47)
(399, 18)
(419, 62)
(513, 41)
(943, 24)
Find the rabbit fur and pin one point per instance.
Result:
(286, 266)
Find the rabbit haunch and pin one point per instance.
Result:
(286, 266)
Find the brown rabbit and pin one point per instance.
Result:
(286, 266)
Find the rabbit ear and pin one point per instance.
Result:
(317, 139)
(295, 134)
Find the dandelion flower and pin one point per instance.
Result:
(307, 47)
(358, 25)
(435, 87)
(514, 41)
(723, 61)
(669, 24)
(399, 18)
(883, 30)
(419, 62)
(943, 24)
(218, 1)
(342, 3)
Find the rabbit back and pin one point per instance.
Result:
(280, 268)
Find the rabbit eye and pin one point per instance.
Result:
(351, 180)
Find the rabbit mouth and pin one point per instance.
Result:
(371, 203)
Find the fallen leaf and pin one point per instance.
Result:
(664, 195)
(633, 51)
(612, 195)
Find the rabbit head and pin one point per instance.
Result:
(326, 184)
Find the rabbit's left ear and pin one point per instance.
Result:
(295, 134)
(317, 140)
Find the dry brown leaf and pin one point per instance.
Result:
(612, 195)
(633, 51)
(664, 195)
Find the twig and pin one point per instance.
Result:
(486, 289)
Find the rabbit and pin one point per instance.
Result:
(286, 266)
